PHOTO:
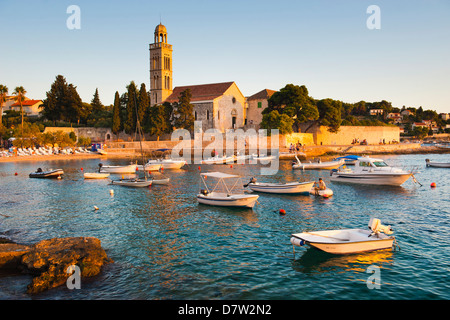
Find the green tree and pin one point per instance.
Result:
(420, 132)
(184, 111)
(64, 103)
(143, 104)
(130, 123)
(116, 124)
(295, 102)
(19, 93)
(330, 114)
(158, 123)
(3, 94)
(273, 120)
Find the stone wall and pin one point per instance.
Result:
(346, 134)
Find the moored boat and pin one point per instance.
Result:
(131, 168)
(134, 183)
(49, 174)
(280, 188)
(437, 164)
(227, 197)
(371, 171)
(327, 165)
(96, 175)
(348, 241)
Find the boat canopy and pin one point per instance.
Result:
(219, 175)
(353, 157)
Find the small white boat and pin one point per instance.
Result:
(226, 198)
(166, 164)
(371, 171)
(327, 165)
(262, 157)
(218, 160)
(133, 183)
(326, 193)
(347, 241)
(161, 181)
(119, 169)
(436, 164)
(150, 166)
(290, 187)
(102, 152)
(96, 175)
(49, 174)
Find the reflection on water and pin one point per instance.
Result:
(316, 261)
(167, 246)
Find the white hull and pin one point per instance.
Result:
(218, 160)
(294, 187)
(133, 183)
(438, 164)
(150, 167)
(96, 175)
(221, 199)
(326, 193)
(167, 164)
(388, 179)
(161, 181)
(344, 241)
(119, 169)
(318, 165)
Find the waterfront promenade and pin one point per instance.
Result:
(129, 150)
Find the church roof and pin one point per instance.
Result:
(201, 92)
(263, 94)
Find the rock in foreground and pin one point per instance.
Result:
(49, 260)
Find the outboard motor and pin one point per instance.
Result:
(100, 165)
(204, 192)
(376, 227)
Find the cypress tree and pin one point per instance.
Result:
(116, 125)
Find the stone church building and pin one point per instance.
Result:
(220, 106)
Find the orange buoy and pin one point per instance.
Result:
(282, 212)
(433, 185)
(16, 174)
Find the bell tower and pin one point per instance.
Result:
(160, 66)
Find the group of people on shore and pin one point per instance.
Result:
(296, 147)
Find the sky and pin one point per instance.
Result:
(324, 45)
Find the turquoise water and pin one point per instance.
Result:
(167, 246)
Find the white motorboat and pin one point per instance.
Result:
(150, 166)
(347, 241)
(49, 174)
(262, 157)
(119, 169)
(224, 197)
(327, 165)
(165, 164)
(371, 171)
(326, 193)
(134, 183)
(218, 160)
(96, 175)
(436, 164)
(290, 187)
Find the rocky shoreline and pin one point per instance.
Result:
(48, 260)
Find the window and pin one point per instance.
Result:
(259, 104)
(207, 114)
(195, 115)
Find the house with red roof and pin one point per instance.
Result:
(30, 107)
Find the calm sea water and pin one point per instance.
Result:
(167, 246)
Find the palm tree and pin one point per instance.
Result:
(20, 92)
(3, 93)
